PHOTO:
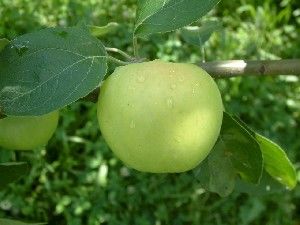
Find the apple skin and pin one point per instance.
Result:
(27, 132)
(160, 117)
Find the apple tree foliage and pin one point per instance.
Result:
(49, 69)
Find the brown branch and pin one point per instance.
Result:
(233, 68)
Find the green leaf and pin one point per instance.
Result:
(216, 173)
(15, 222)
(49, 69)
(276, 162)
(167, 15)
(266, 186)
(3, 43)
(241, 151)
(5, 155)
(236, 152)
(10, 172)
(242, 148)
(101, 31)
(199, 35)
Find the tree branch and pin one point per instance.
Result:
(233, 68)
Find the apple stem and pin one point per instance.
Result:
(119, 51)
(118, 61)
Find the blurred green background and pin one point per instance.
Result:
(77, 180)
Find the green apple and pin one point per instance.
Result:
(27, 132)
(160, 117)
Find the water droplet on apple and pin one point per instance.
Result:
(173, 86)
(170, 102)
(171, 73)
(141, 79)
(132, 124)
(178, 139)
(131, 88)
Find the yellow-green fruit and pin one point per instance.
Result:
(27, 132)
(160, 117)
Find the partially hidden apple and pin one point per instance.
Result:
(27, 132)
(160, 117)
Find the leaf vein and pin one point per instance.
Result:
(52, 77)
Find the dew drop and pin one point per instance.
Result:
(170, 102)
(178, 139)
(171, 73)
(132, 124)
(141, 79)
(131, 88)
(173, 86)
